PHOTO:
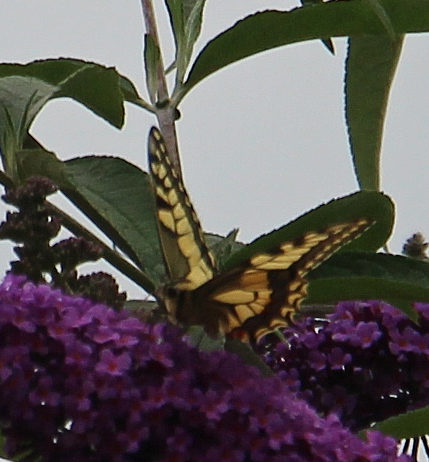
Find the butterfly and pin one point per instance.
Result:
(253, 298)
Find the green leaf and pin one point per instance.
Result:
(379, 10)
(193, 20)
(97, 87)
(223, 247)
(202, 341)
(40, 162)
(129, 91)
(121, 195)
(21, 98)
(186, 19)
(409, 425)
(146, 306)
(145, 310)
(247, 355)
(271, 29)
(10, 142)
(25, 89)
(151, 62)
(175, 11)
(365, 204)
(363, 276)
(370, 68)
(327, 42)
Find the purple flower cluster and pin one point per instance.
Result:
(366, 363)
(81, 382)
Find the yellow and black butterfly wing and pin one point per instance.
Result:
(187, 258)
(260, 294)
(264, 293)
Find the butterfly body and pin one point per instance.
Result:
(258, 295)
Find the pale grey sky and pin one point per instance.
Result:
(261, 141)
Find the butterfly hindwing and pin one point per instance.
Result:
(188, 261)
(265, 292)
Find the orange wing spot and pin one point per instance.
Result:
(239, 334)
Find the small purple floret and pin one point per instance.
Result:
(104, 387)
(377, 362)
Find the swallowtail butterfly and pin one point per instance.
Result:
(256, 297)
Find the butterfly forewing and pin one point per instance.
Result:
(187, 258)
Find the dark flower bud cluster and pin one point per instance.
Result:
(33, 193)
(416, 247)
(80, 382)
(366, 362)
(75, 251)
(33, 227)
(101, 287)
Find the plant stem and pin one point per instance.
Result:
(165, 112)
(143, 104)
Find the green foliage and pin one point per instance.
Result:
(271, 29)
(25, 89)
(370, 68)
(223, 247)
(186, 18)
(152, 61)
(120, 195)
(326, 41)
(368, 276)
(248, 355)
(117, 196)
(409, 425)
